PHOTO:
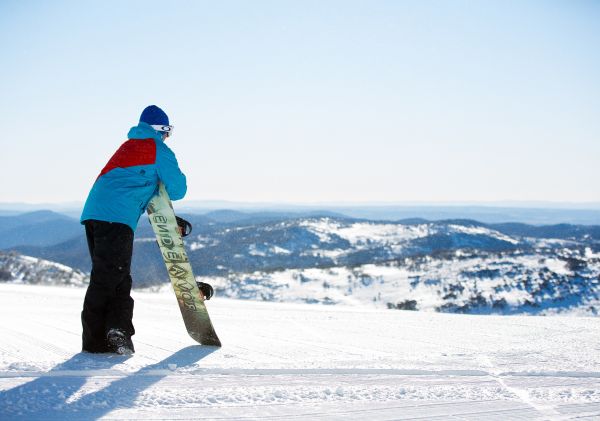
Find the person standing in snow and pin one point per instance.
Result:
(114, 205)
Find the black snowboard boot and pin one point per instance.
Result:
(206, 290)
(119, 343)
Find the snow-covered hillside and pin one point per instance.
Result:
(448, 266)
(16, 268)
(463, 282)
(455, 266)
(282, 361)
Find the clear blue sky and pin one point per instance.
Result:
(308, 101)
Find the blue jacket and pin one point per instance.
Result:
(130, 179)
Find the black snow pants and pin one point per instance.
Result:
(107, 303)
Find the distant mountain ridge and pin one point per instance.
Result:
(40, 228)
(235, 216)
(533, 213)
(223, 247)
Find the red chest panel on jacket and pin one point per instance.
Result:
(131, 153)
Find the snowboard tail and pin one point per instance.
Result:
(194, 312)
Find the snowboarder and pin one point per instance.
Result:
(114, 205)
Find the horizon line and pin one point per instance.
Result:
(212, 203)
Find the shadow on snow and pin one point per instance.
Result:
(54, 394)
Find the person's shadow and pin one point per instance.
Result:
(48, 397)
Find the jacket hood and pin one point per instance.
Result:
(144, 131)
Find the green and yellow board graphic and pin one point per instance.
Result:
(193, 310)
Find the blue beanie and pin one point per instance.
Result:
(154, 115)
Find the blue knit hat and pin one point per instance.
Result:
(154, 115)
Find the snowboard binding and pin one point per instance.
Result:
(206, 290)
(184, 226)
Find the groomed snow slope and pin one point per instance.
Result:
(293, 361)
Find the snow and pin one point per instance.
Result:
(279, 250)
(47, 263)
(362, 234)
(196, 246)
(503, 283)
(145, 240)
(283, 360)
(253, 251)
(27, 269)
(365, 232)
(482, 231)
(557, 266)
(265, 250)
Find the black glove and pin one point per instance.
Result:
(186, 227)
(205, 289)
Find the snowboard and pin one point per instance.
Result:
(194, 312)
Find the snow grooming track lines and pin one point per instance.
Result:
(279, 396)
(24, 341)
(369, 364)
(521, 393)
